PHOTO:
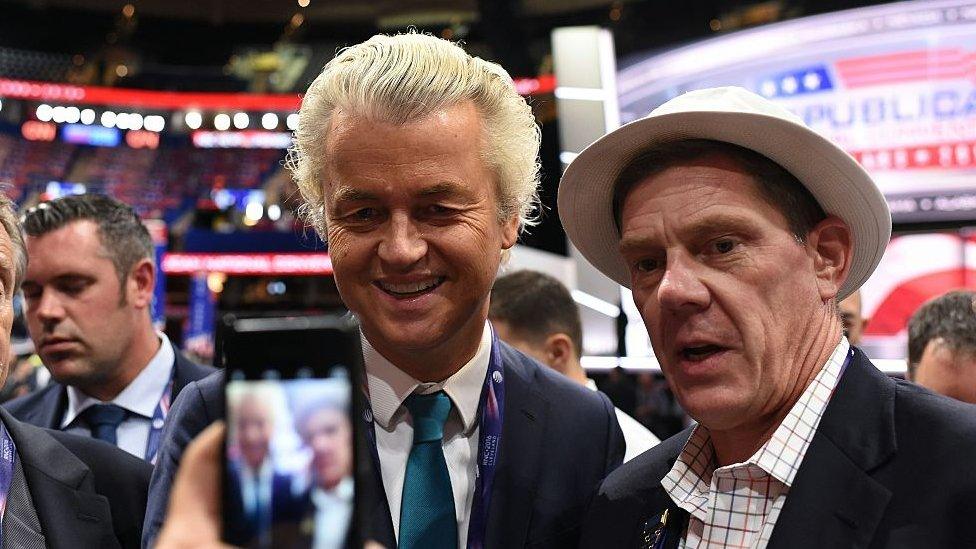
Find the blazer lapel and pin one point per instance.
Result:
(51, 410)
(663, 519)
(375, 523)
(70, 512)
(526, 413)
(185, 371)
(834, 502)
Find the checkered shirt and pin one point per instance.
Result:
(737, 505)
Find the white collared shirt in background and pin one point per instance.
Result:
(737, 505)
(333, 513)
(638, 439)
(389, 387)
(140, 398)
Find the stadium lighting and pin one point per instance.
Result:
(292, 121)
(135, 121)
(122, 121)
(193, 120)
(155, 123)
(108, 119)
(44, 112)
(87, 116)
(241, 120)
(222, 122)
(269, 121)
(72, 115)
(253, 211)
(59, 114)
(274, 212)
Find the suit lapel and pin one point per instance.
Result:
(834, 502)
(185, 371)
(376, 523)
(654, 501)
(51, 410)
(523, 427)
(70, 512)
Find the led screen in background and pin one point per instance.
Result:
(914, 269)
(96, 136)
(895, 85)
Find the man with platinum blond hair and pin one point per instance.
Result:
(418, 163)
(738, 229)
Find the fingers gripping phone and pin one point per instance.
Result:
(290, 450)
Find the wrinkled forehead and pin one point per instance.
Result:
(719, 175)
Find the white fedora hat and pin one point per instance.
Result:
(732, 115)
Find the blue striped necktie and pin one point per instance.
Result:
(427, 517)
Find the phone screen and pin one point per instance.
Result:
(290, 452)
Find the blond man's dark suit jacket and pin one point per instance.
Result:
(891, 465)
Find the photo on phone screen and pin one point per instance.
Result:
(289, 452)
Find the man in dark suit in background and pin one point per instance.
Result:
(88, 293)
(60, 490)
(738, 229)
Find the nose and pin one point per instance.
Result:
(402, 245)
(48, 308)
(681, 289)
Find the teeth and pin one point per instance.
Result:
(409, 288)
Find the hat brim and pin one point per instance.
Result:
(832, 176)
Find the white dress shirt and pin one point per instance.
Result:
(389, 387)
(140, 398)
(333, 512)
(738, 505)
(637, 438)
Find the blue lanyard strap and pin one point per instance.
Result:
(492, 410)
(159, 421)
(491, 413)
(8, 455)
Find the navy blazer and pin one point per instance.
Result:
(200, 403)
(46, 407)
(559, 440)
(891, 465)
(88, 494)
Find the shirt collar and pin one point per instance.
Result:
(783, 452)
(389, 386)
(689, 480)
(342, 493)
(143, 393)
(264, 472)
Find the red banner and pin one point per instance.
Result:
(171, 100)
(248, 264)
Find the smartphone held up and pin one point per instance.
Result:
(290, 449)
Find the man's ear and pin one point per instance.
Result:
(140, 283)
(560, 352)
(832, 247)
(510, 232)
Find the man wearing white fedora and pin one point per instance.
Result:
(738, 229)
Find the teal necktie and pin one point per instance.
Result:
(427, 518)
